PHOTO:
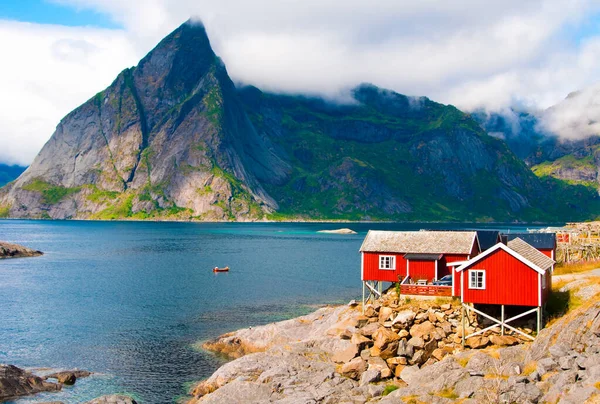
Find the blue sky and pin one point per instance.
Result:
(47, 12)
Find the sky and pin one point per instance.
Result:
(56, 54)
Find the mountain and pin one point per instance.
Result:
(173, 138)
(560, 142)
(9, 173)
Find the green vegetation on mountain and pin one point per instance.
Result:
(173, 138)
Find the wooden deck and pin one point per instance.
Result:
(426, 290)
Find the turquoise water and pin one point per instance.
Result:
(129, 300)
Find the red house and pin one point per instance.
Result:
(515, 274)
(390, 256)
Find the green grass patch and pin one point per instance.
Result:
(4, 211)
(101, 195)
(389, 388)
(51, 194)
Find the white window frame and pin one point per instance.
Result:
(476, 272)
(387, 262)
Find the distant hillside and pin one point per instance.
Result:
(9, 173)
(173, 138)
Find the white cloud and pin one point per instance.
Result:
(469, 53)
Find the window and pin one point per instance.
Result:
(387, 262)
(476, 279)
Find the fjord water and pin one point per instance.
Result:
(131, 300)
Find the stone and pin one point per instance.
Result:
(365, 354)
(503, 340)
(438, 354)
(404, 349)
(369, 329)
(370, 311)
(398, 370)
(397, 360)
(359, 340)
(418, 358)
(112, 399)
(440, 317)
(416, 342)
(361, 321)
(384, 314)
(369, 376)
(432, 317)
(545, 365)
(410, 374)
(403, 333)
(477, 342)
(421, 330)
(404, 317)
(446, 306)
(15, 382)
(352, 303)
(380, 365)
(346, 334)
(354, 369)
(345, 355)
(566, 362)
(385, 343)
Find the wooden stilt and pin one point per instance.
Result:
(363, 299)
(539, 319)
(462, 320)
(502, 319)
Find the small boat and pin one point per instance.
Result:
(217, 269)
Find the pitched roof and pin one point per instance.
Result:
(428, 242)
(540, 264)
(537, 240)
(530, 253)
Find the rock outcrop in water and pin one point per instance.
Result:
(338, 355)
(9, 250)
(173, 138)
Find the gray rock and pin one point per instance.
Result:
(416, 342)
(370, 376)
(112, 399)
(545, 365)
(410, 374)
(404, 349)
(566, 362)
(16, 382)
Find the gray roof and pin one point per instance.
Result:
(537, 240)
(530, 253)
(428, 242)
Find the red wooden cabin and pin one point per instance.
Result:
(515, 274)
(391, 256)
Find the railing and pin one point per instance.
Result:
(426, 290)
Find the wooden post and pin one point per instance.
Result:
(363, 299)
(462, 320)
(502, 319)
(539, 319)
(379, 287)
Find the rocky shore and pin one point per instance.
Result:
(404, 353)
(9, 250)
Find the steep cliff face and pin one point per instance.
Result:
(172, 138)
(167, 139)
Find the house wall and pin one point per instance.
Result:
(508, 281)
(371, 271)
(422, 270)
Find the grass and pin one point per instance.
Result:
(447, 393)
(597, 385)
(579, 267)
(4, 211)
(388, 389)
(51, 194)
(529, 368)
(100, 195)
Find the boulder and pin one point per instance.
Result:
(370, 311)
(404, 317)
(369, 329)
(418, 358)
(15, 382)
(477, 342)
(403, 333)
(410, 374)
(416, 342)
(384, 314)
(385, 343)
(422, 330)
(361, 321)
(370, 376)
(405, 349)
(395, 361)
(112, 399)
(398, 370)
(359, 340)
(503, 340)
(345, 355)
(446, 306)
(354, 369)
(381, 366)
(439, 354)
